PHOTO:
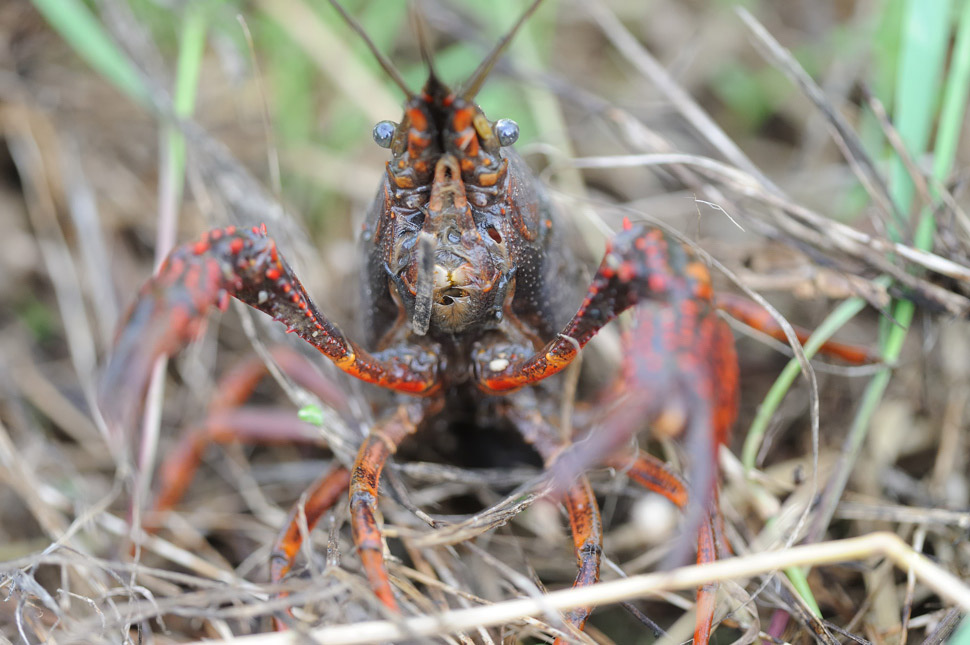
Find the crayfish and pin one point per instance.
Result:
(472, 300)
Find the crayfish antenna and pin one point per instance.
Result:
(382, 60)
(420, 26)
(421, 319)
(471, 87)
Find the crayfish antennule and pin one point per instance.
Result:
(420, 28)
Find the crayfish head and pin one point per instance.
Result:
(443, 226)
(452, 270)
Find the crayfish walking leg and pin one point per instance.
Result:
(656, 476)
(585, 522)
(320, 497)
(228, 421)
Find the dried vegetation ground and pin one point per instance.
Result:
(793, 195)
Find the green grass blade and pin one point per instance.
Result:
(926, 33)
(832, 323)
(925, 36)
(954, 99)
(962, 635)
(850, 452)
(799, 580)
(951, 121)
(79, 28)
(171, 180)
(191, 51)
(926, 27)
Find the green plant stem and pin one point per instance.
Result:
(799, 580)
(915, 96)
(925, 39)
(926, 29)
(191, 51)
(832, 323)
(171, 181)
(954, 105)
(962, 635)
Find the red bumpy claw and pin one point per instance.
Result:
(244, 264)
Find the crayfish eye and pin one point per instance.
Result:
(506, 131)
(384, 133)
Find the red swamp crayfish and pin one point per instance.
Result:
(472, 298)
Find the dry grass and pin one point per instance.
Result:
(773, 198)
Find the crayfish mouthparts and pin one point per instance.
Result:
(446, 285)
(449, 296)
(447, 290)
(454, 297)
(451, 270)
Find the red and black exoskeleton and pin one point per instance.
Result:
(471, 298)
